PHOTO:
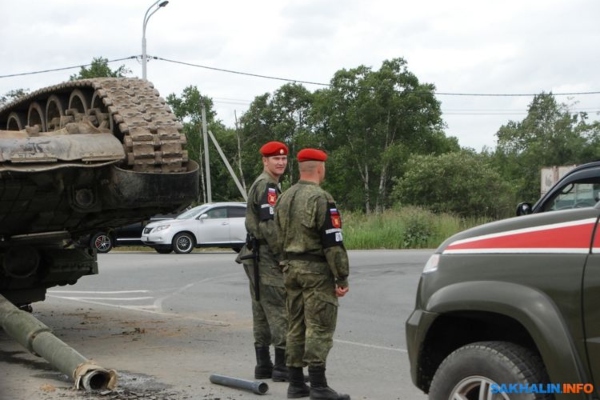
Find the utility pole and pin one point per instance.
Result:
(206, 157)
(156, 6)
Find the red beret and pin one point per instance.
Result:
(311, 155)
(273, 149)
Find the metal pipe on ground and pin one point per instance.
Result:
(258, 387)
(38, 339)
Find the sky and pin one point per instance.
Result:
(468, 49)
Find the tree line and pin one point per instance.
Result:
(384, 132)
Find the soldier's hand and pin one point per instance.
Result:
(341, 291)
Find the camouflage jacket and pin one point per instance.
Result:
(259, 211)
(309, 223)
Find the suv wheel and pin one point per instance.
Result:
(183, 243)
(102, 242)
(470, 371)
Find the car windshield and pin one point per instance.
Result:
(193, 213)
(579, 194)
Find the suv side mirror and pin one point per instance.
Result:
(524, 209)
(203, 216)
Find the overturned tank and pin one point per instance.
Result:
(75, 157)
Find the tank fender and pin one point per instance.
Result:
(82, 147)
(128, 188)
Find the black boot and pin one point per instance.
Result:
(297, 387)
(264, 366)
(280, 371)
(318, 386)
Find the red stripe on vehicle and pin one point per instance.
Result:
(574, 235)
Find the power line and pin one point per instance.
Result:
(511, 94)
(326, 84)
(485, 112)
(292, 80)
(60, 69)
(242, 73)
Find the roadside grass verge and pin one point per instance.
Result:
(405, 228)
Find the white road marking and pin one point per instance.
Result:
(140, 308)
(370, 346)
(98, 292)
(105, 298)
(154, 308)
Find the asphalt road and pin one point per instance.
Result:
(167, 322)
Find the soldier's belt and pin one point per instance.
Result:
(304, 257)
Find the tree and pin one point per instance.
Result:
(550, 135)
(282, 116)
(100, 69)
(187, 108)
(374, 120)
(462, 183)
(12, 95)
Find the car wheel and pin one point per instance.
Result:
(163, 249)
(237, 249)
(183, 243)
(102, 242)
(470, 371)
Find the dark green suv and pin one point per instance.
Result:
(511, 310)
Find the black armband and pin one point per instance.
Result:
(331, 235)
(267, 202)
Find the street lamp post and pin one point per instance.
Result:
(154, 7)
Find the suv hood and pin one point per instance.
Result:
(531, 232)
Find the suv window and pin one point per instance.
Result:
(237, 212)
(578, 194)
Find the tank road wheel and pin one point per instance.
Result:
(469, 372)
(15, 122)
(35, 116)
(183, 243)
(55, 112)
(78, 105)
(102, 242)
(99, 115)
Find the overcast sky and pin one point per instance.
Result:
(460, 46)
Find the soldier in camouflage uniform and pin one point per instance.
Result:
(270, 323)
(315, 267)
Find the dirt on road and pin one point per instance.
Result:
(157, 357)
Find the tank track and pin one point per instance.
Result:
(130, 107)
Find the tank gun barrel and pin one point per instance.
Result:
(38, 339)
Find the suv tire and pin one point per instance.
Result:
(472, 369)
(183, 243)
(102, 242)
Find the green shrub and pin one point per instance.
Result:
(403, 228)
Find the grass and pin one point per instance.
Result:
(406, 228)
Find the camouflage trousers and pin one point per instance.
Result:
(312, 309)
(269, 316)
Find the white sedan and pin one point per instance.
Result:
(209, 225)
